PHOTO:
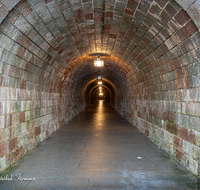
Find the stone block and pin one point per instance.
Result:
(13, 144)
(6, 134)
(3, 12)
(196, 153)
(143, 7)
(2, 121)
(3, 163)
(187, 30)
(179, 155)
(194, 13)
(191, 136)
(189, 108)
(9, 159)
(2, 137)
(185, 121)
(178, 143)
(191, 82)
(177, 119)
(10, 3)
(193, 166)
(193, 123)
(18, 153)
(182, 17)
(24, 127)
(196, 39)
(187, 45)
(27, 116)
(4, 149)
(22, 117)
(18, 129)
(37, 131)
(185, 4)
(197, 138)
(15, 118)
(188, 148)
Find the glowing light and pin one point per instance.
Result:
(98, 62)
(100, 87)
(99, 82)
(100, 94)
(99, 77)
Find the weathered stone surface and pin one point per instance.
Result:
(185, 4)
(3, 12)
(10, 3)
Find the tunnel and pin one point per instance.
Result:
(151, 73)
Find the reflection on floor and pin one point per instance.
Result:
(98, 149)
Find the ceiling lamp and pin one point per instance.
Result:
(99, 77)
(100, 87)
(100, 94)
(98, 62)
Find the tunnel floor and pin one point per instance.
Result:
(98, 149)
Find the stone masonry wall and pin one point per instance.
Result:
(28, 117)
(162, 99)
(32, 103)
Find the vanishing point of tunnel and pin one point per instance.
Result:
(61, 129)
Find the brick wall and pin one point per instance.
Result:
(34, 99)
(161, 95)
(28, 117)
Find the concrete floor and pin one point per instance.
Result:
(98, 149)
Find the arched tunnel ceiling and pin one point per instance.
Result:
(92, 85)
(58, 36)
(85, 72)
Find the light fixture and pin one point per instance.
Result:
(99, 77)
(98, 62)
(100, 94)
(100, 91)
(100, 87)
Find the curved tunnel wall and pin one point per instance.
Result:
(153, 64)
